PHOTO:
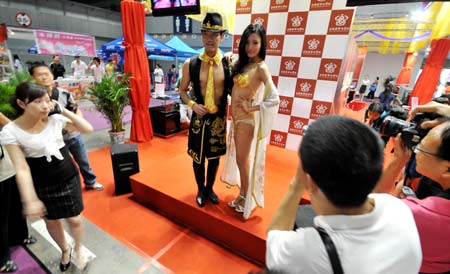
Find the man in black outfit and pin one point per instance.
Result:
(209, 75)
(57, 68)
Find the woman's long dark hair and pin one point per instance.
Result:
(243, 58)
(26, 92)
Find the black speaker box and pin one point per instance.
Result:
(165, 120)
(125, 163)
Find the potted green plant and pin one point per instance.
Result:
(110, 97)
(7, 89)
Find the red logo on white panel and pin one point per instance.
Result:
(296, 125)
(23, 19)
(305, 88)
(285, 105)
(275, 80)
(296, 22)
(236, 41)
(275, 44)
(321, 5)
(289, 66)
(260, 18)
(329, 69)
(319, 109)
(279, 5)
(243, 6)
(278, 138)
(313, 45)
(340, 21)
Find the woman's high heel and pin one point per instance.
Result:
(237, 203)
(64, 266)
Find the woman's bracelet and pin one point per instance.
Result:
(191, 103)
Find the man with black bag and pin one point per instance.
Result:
(211, 80)
(340, 162)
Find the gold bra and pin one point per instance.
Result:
(241, 80)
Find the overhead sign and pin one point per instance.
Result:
(182, 24)
(63, 43)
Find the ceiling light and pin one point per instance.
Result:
(419, 15)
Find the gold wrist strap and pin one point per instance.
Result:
(191, 103)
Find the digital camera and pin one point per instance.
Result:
(411, 132)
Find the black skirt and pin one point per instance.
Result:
(57, 185)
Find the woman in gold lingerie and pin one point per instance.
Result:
(254, 106)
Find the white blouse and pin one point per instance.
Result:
(34, 145)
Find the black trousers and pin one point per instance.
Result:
(199, 172)
(18, 229)
(13, 227)
(5, 197)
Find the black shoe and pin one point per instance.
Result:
(201, 198)
(9, 267)
(63, 267)
(213, 197)
(29, 241)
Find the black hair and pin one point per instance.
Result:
(96, 59)
(243, 58)
(26, 92)
(376, 107)
(344, 157)
(444, 148)
(35, 65)
(15, 56)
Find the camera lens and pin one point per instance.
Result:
(392, 126)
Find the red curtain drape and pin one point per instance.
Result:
(133, 27)
(428, 79)
(405, 73)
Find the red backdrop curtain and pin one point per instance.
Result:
(133, 27)
(405, 73)
(428, 79)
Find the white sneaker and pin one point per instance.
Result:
(95, 186)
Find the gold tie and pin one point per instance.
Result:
(209, 96)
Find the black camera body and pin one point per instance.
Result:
(411, 132)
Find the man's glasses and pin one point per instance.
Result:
(417, 149)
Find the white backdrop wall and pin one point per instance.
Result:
(383, 65)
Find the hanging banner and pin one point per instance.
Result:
(63, 43)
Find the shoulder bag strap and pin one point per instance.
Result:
(331, 250)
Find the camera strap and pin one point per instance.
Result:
(331, 250)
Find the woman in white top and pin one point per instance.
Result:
(47, 178)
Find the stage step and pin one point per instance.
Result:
(170, 189)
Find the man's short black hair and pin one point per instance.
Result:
(376, 107)
(35, 65)
(444, 148)
(344, 157)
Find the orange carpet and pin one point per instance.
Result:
(177, 248)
